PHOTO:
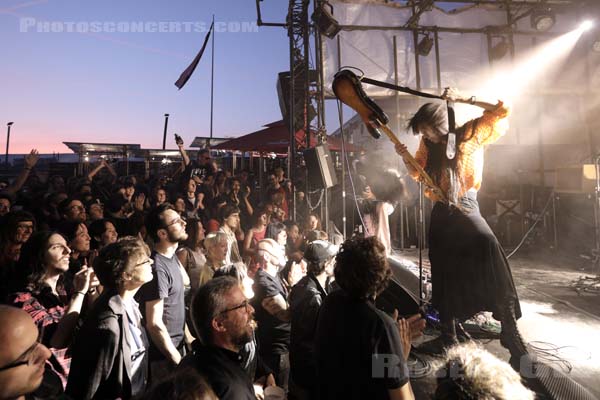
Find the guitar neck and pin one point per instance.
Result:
(411, 160)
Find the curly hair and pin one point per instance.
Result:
(117, 258)
(361, 268)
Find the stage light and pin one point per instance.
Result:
(324, 20)
(499, 50)
(542, 19)
(586, 25)
(424, 46)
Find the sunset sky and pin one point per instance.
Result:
(106, 86)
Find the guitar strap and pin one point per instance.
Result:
(451, 145)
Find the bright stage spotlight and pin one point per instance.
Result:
(586, 25)
(542, 19)
(424, 46)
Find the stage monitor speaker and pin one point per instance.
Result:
(402, 293)
(319, 166)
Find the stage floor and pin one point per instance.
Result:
(556, 317)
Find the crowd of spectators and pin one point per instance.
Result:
(197, 287)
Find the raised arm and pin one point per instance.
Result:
(184, 155)
(453, 95)
(30, 160)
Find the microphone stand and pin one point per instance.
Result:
(421, 244)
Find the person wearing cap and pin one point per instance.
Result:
(305, 300)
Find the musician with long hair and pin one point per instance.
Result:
(470, 272)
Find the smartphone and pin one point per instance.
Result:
(178, 139)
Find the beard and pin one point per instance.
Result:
(177, 237)
(245, 335)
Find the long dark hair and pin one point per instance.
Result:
(438, 164)
(31, 268)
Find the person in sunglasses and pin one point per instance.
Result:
(22, 356)
(109, 355)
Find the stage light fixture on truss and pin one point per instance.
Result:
(324, 20)
(424, 46)
(542, 19)
(500, 49)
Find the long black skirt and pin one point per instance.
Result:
(469, 270)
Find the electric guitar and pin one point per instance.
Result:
(348, 89)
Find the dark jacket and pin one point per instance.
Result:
(101, 364)
(305, 300)
(222, 369)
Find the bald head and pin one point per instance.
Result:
(14, 322)
(21, 356)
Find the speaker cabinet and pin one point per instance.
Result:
(319, 164)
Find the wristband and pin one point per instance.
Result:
(81, 293)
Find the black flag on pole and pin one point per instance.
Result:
(185, 75)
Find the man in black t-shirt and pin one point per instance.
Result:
(197, 169)
(224, 321)
(272, 312)
(361, 351)
(163, 297)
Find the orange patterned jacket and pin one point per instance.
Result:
(478, 132)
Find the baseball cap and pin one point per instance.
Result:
(319, 251)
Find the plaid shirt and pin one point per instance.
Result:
(46, 309)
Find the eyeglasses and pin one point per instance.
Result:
(25, 226)
(176, 221)
(29, 357)
(245, 304)
(151, 261)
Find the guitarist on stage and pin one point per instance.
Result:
(470, 272)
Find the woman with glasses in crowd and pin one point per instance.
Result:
(109, 356)
(41, 293)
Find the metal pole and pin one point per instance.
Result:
(341, 115)
(7, 141)
(438, 68)
(421, 243)
(212, 78)
(165, 131)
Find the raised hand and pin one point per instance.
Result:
(452, 94)
(81, 280)
(139, 202)
(32, 158)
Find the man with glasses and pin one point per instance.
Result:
(224, 322)
(22, 356)
(72, 210)
(163, 297)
